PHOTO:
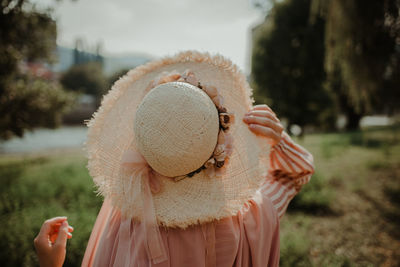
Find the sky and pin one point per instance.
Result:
(159, 27)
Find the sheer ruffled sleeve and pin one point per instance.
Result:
(291, 167)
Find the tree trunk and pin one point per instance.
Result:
(353, 119)
(352, 116)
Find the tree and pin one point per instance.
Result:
(85, 78)
(115, 76)
(32, 103)
(27, 35)
(287, 65)
(363, 56)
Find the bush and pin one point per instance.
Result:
(295, 244)
(35, 189)
(85, 78)
(28, 103)
(314, 198)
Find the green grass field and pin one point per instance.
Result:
(348, 215)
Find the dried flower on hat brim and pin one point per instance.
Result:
(224, 144)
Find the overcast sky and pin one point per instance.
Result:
(159, 27)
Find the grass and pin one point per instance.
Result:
(352, 202)
(348, 215)
(34, 188)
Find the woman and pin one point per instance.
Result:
(195, 235)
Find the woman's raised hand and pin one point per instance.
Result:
(263, 121)
(51, 242)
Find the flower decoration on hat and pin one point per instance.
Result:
(214, 165)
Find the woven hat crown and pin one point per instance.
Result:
(176, 128)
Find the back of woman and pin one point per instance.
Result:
(192, 174)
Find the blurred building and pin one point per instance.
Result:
(67, 57)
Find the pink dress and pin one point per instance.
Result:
(251, 238)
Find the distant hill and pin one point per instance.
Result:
(112, 64)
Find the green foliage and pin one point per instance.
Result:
(85, 78)
(114, 77)
(34, 189)
(315, 198)
(356, 42)
(375, 165)
(287, 65)
(295, 245)
(363, 56)
(31, 103)
(333, 145)
(27, 35)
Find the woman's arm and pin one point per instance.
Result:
(291, 165)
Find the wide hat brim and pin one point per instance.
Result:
(190, 201)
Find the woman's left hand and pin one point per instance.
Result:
(263, 121)
(51, 242)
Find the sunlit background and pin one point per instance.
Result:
(330, 69)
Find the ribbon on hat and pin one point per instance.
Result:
(138, 168)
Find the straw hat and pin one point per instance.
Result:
(169, 111)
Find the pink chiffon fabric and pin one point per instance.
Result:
(249, 239)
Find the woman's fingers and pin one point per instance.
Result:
(265, 131)
(262, 107)
(263, 113)
(51, 228)
(263, 121)
(70, 229)
(47, 226)
(63, 234)
(51, 242)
